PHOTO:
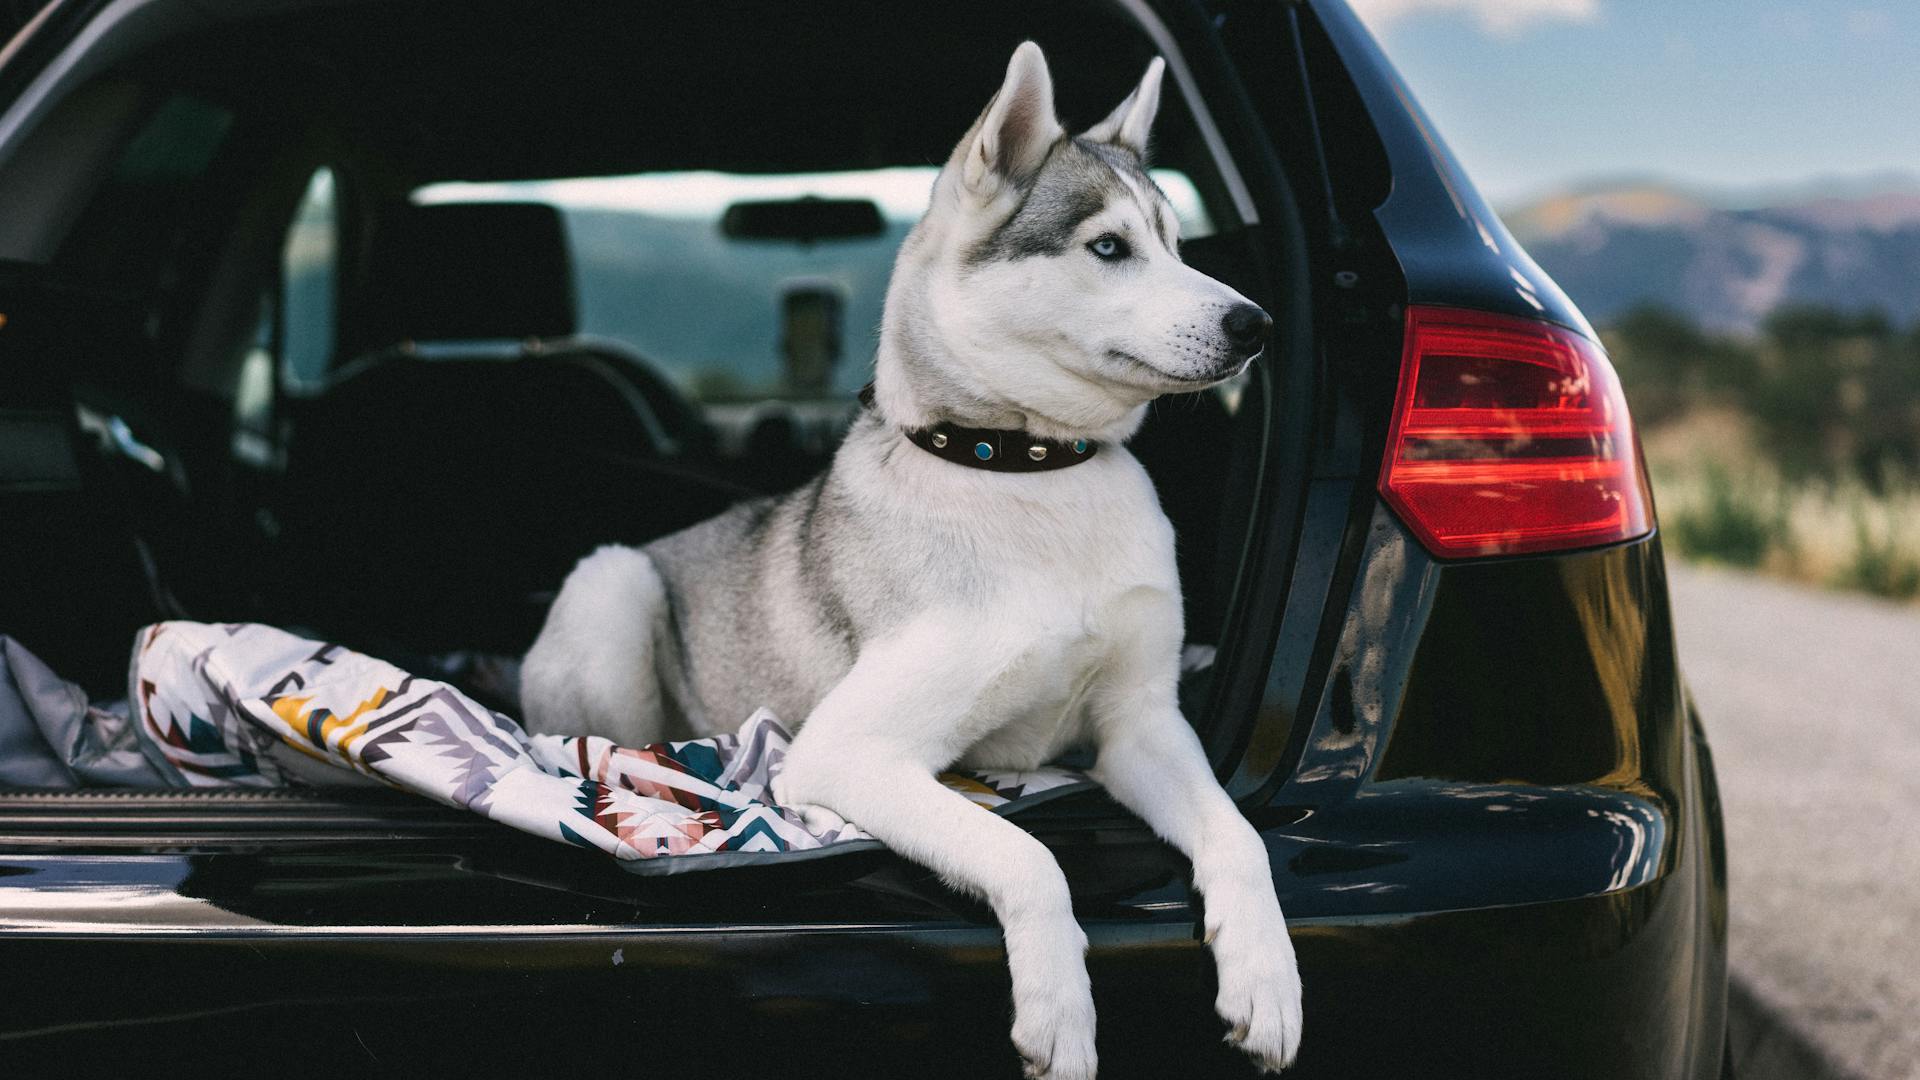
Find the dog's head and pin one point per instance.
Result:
(1044, 287)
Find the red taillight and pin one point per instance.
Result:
(1510, 436)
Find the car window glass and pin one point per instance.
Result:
(253, 394)
(308, 281)
(741, 320)
(295, 322)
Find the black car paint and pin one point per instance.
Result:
(1490, 810)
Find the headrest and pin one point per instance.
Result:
(468, 271)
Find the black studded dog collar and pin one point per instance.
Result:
(994, 449)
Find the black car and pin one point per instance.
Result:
(276, 345)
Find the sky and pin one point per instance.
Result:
(1732, 97)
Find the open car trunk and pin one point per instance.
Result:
(226, 414)
(205, 398)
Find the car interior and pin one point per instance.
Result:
(372, 320)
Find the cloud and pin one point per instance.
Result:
(1504, 18)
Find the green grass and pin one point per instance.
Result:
(1882, 564)
(1721, 519)
(1843, 535)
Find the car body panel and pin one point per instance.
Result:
(1452, 248)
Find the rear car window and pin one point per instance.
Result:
(732, 319)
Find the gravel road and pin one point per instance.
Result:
(1811, 702)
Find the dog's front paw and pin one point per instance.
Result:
(819, 820)
(1053, 1030)
(1052, 998)
(792, 797)
(1259, 988)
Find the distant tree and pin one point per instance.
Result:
(1886, 428)
(1839, 394)
(1668, 365)
(1832, 393)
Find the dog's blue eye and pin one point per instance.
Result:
(1110, 247)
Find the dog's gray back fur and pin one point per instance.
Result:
(770, 601)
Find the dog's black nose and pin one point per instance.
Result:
(1246, 327)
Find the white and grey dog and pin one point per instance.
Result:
(918, 613)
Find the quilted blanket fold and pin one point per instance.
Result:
(241, 704)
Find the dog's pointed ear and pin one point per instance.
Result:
(1128, 125)
(1011, 139)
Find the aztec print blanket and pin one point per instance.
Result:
(246, 705)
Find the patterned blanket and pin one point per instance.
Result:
(245, 705)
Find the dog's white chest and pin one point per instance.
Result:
(1038, 706)
(1036, 710)
(1067, 608)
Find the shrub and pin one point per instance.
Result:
(1881, 563)
(1719, 519)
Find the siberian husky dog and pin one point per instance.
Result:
(915, 612)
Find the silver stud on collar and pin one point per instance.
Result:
(940, 439)
(1037, 453)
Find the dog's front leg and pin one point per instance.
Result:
(1151, 761)
(869, 753)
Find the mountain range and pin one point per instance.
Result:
(1727, 260)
